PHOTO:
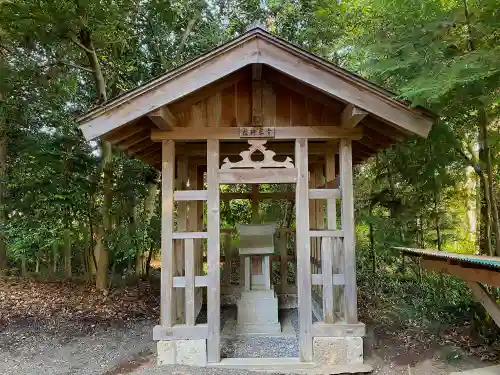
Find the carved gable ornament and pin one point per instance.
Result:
(247, 162)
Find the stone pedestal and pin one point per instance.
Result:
(338, 350)
(258, 313)
(182, 352)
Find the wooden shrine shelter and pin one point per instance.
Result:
(310, 122)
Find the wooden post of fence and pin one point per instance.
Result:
(303, 251)
(213, 256)
(350, 290)
(167, 228)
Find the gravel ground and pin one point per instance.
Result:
(77, 350)
(86, 348)
(261, 346)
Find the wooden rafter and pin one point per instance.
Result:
(352, 116)
(163, 118)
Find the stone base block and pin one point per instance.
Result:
(338, 350)
(258, 313)
(258, 329)
(182, 352)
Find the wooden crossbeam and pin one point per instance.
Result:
(483, 276)
(180, 332)
(163, 118)
(482, 295)
(351, 116)
(232, 133)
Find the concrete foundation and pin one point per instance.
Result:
(182, 352)
(258, 313)
(338, 350)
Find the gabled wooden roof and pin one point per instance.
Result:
(339, 95)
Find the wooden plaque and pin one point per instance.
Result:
(257, 132)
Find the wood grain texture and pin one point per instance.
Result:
(190, 281)
(258, 176)
(303, 251)
(213, 251)
(346, 182)
(485, 298)
(233, 133)
(327, 272)
(167, 228)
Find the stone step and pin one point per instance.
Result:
(492, 370)
(288, 366)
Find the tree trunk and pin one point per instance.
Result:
(149, 207)
(54, 257)
(102, 260)
(494, 219)
(486, 204)
(67, 254)
(24, 270)
(3, 210)
(37, 264)
(436, 217)
(372, 243)
(87, 45)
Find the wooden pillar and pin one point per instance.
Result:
(193, 226)
(303, 251)
(257, 266)
(167, 226)
(182, 221)
(200, 211)
(213, 246)
(312, 221)
(282, 245)
(327, 272)
(331, 223)
(346, 183)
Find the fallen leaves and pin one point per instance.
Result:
(32, 300)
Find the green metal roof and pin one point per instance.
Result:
(492, 262)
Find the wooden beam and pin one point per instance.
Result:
(351, 116)
(326, 233)
(324, 193)
(317, 278)
(327, 272)
(479, 275)
(233, 133)
(163, 118)
(199, 281)
(190, 280)
(213, 251)
(258, 176)
(303, 251)
(138, 137)
(281, 148)
(346, 182)
(167, 228)
(180, 332)
(482, 295)
(190, 195)
(188, 235)
(256, 94)
(338, 330)
(383, 129)
(128, 131)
